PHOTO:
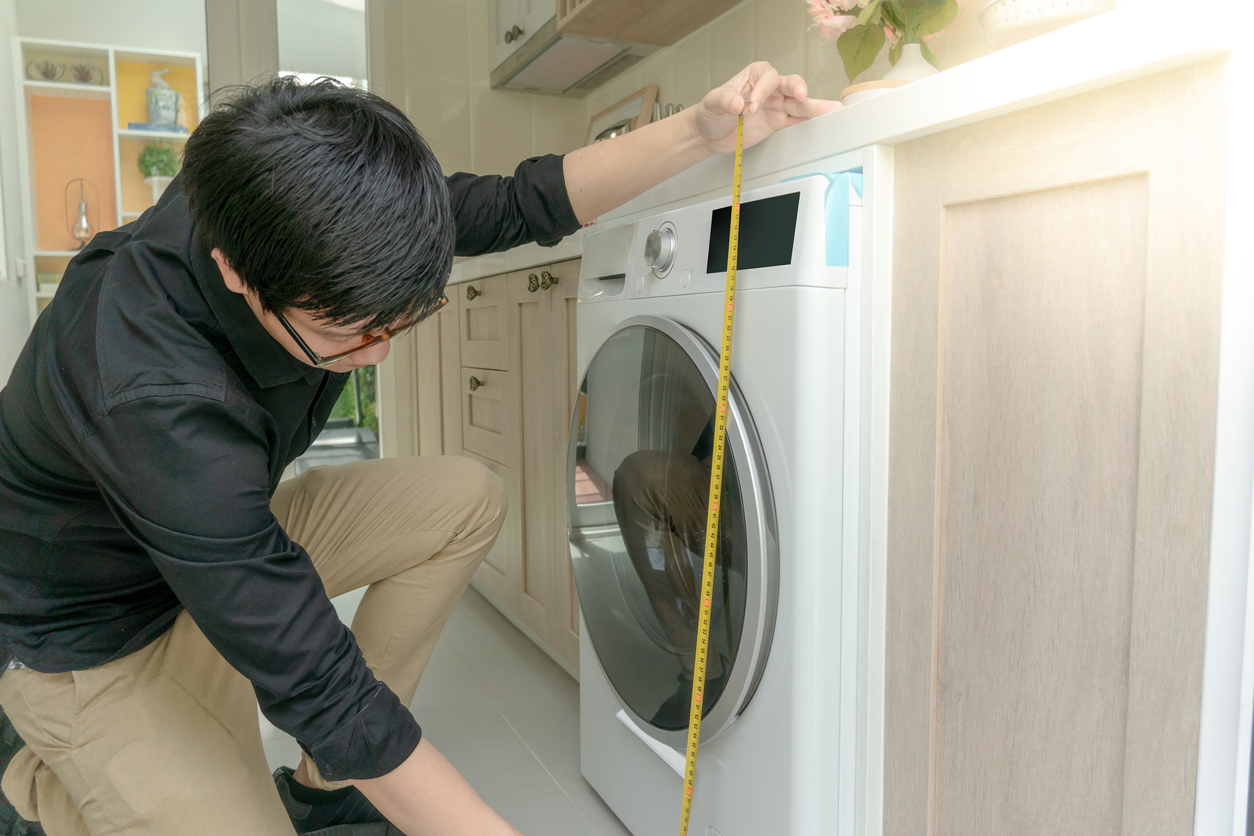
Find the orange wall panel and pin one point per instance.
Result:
(71, 138)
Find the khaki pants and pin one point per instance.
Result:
(165, 740)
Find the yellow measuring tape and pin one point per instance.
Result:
(716, 490)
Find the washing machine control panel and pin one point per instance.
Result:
(659, 249)
(800, 232)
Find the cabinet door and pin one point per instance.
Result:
(498, 574)
(531, 356)
(503, 16)
(487, 414)
(1055, 309)
(436, 345)
(564, 612)
(534, 14)
(484, 307)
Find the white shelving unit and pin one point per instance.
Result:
(47, 261)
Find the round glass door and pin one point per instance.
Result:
(638, 488)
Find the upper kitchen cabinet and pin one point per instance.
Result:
(571, 47)
(656, 22)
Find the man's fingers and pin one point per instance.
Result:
(764, 85)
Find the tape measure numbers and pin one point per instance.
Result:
(716, 491)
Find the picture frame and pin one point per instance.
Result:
(635, 111)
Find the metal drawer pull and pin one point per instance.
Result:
(549, 280)
(513, 34)
(533, 283)
(471, 292)
(475, 383)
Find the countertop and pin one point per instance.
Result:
(1129, 42)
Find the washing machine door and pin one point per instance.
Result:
(638, 485)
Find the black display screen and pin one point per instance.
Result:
(767, 228)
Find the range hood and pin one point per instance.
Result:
(562, 64)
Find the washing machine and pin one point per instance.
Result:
(778, 750)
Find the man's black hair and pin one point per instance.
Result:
(321, 197)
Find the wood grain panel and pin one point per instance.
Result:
(1042, 300)
(531, 407)
(498, 573)
(1039, 676)
(564, 617)
(450, 377)
(486, 414)
(484, 322)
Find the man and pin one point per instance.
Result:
(155, 576)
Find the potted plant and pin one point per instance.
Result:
(863, 27)
(158, 163)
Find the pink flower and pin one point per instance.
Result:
(830, 23)
(890, 34)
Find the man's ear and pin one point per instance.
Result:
(229, 277)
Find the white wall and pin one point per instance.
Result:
(323, 37)
(436, 70)
(769, 30)
(14, 311)
(173, 25)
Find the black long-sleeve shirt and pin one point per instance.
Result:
(143, 431)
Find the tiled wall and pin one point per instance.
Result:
(776, 31)
(440, 53)
(437, 64)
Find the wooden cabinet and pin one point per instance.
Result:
(1056, 277)
(495, 375)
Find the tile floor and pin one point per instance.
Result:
(506, 716)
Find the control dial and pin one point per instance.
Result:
(659, 249)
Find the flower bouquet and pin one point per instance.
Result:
(862, 27)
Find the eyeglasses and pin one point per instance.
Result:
(322, 362)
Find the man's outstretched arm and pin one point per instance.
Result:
(604, 176)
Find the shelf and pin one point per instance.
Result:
(126, 133)
(45, 295)
(58, 88)
(56, 253)
(131, 215)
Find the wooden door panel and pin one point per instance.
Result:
(1040, 346)
(450, 377)
(531, 357)
(1054, 344)
(484, 323)
(498, 574)
(486, 414)
(564, 614)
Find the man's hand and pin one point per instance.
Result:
(774, 102)
(604, 176)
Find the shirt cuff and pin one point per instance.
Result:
(545, 203)
(372, 744)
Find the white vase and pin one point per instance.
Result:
(157, 183)
(911, 66)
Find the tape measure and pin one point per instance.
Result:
(716, 491)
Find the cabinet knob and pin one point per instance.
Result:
(513, 34)
(548, 280)
(533, 283)
(475, 383)
(471, 292)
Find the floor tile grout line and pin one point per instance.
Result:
(545, 767)
(458, 656)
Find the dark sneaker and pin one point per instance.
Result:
(343, 812)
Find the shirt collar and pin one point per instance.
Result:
(266, 360)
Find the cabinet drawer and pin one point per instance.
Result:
(484, 322)
(486, 413)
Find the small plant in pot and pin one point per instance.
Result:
(158, 163)
(862, 28)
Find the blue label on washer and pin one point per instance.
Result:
(836, 210)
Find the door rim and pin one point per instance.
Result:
(761, 535)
